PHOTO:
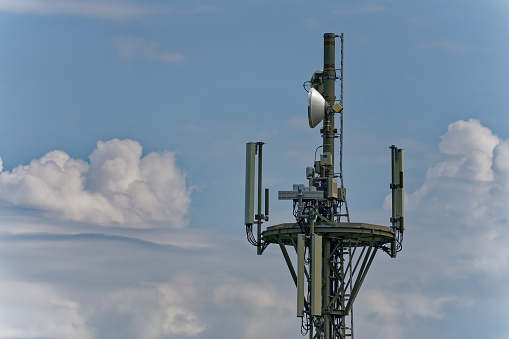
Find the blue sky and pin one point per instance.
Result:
(122, 145)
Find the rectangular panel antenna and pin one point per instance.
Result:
(316, 275)
(398, 190)
(250, 182)
(301, 242)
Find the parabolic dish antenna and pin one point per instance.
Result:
(318, 107)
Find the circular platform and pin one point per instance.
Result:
(356, 233)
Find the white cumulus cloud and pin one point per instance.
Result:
(118, 187)
(468, 193)
(468, 183)
(471, 147)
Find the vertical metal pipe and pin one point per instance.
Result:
(312, 222)
(266, 203)
(341, 127)
(301, 253)
(327, 288)
(341, 117)
(329, 78)
(342, 291)
(259, 216)
(393, 191)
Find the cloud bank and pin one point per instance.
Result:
(452, 274)
(105, 287)
(455, 260)
(118, 187)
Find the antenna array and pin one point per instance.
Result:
(333, 256)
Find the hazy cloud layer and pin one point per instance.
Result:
(118, 186)
(35, 310)
(130, 48)
(113, 10)
(359, 9)
(458, 48)
(106, 287)
(108, 9)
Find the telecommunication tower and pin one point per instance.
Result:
(333, 254)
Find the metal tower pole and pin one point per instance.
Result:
(347, 213)
(259, 216)
(329, 79)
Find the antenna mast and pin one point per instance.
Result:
(341, 36)
(333, 257)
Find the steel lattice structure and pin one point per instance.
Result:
(348, 251)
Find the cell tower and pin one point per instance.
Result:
(333, 254)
